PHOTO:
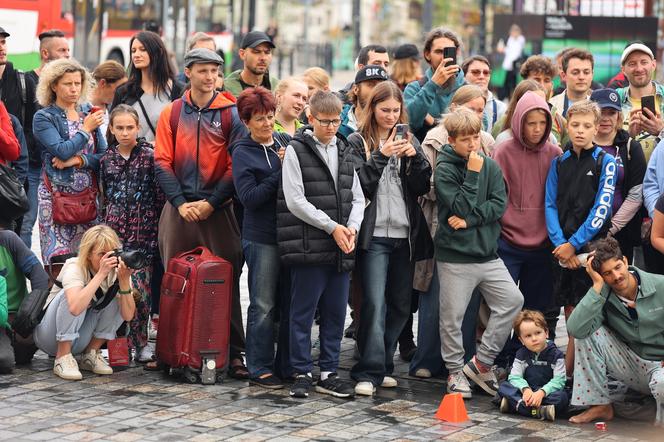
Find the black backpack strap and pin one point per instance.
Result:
(24, 93)
(598, 165)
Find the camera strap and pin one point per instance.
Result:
(103, 299)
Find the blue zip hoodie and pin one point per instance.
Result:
(578, 205)
(256, 175)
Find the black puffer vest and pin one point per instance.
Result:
(299, 242)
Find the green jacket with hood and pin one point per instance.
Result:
(477, 197)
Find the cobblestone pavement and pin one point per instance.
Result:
(133, 404)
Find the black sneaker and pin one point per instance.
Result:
(301, 386)
(335, 386)
(270, 381)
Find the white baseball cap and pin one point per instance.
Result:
(635, 47)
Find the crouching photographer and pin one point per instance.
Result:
(94, 299)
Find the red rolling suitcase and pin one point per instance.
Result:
(195, 315)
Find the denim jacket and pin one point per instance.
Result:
(52, 136)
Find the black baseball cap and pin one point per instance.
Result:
(3, 33)
(606, 98)
(407, 50)
(371, 72)
(255, 38)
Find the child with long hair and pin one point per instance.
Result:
(132, 204)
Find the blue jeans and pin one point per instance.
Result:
(531, 271)
(34, 176)
(428, 336)
(387, 281)
(324, 287)
(60, 325)
(263, 279)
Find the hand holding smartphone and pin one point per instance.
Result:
(648, 102)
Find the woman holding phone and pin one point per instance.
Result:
(68, 133)
(394, 173)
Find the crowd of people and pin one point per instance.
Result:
(405, 192)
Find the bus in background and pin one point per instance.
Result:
(25, 20)
(101, 30)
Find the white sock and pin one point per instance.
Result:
(324, 375)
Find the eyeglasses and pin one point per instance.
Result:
(327, 123)
(477, 72)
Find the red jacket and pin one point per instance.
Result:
(10, 149)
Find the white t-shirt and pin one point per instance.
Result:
(513, 50)
(72, 275)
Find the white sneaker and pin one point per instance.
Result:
(458, 383)
(365, 388)
(423, 373)
(389, 382)
(144, 354)
(67, 368)
(93, 361)
(153, 325)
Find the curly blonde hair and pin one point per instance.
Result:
(53, 72)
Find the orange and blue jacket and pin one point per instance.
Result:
(198, 166)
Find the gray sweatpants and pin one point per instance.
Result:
(59, 325)
(457, 282)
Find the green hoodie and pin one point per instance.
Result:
(478, 198)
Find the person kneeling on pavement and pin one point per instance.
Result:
(79, 317)
(536, 384)
(619, 327)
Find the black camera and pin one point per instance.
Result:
(134, 259)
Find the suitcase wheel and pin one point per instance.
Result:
(219, 378)
(190, 376)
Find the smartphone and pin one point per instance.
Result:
(450, 52)
(401, 132)
(648, 102)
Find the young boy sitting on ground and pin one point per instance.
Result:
(535, 386)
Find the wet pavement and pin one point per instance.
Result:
(134, 404)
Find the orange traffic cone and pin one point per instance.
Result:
(452, 408)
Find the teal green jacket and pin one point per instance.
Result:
(478, 198)
(429, 99)
(3, 303)
(645, 335)
(234, 85)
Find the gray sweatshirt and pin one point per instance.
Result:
(297, 203)
(391, 211)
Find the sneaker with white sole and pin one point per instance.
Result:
(66, 368)
(144, 354)
(423, 373)
(504, 406)
(458, 383)
(546, 413)
(153, 324)
(365, 388)
(388, 382)
(94, 361)
(485, 380)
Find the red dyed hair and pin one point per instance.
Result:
(255, 100)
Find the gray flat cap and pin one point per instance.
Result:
(202, 55)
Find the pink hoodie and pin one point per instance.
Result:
(525, 170)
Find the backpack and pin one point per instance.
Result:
(225, 115)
